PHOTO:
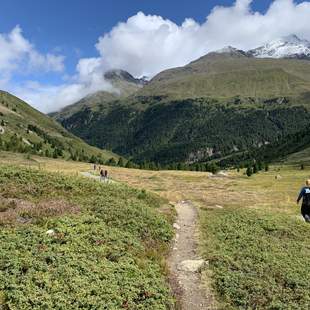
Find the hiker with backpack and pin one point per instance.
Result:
(104, 175)
(305, 206)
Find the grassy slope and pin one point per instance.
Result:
(17, 122)
(225, 76)
(256, 244)
(106, 252)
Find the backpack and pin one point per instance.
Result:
(306, 198)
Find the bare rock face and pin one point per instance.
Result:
(192, 265)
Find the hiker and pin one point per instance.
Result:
(106, 177)
(305, 206)
(95, 167)
(102, 177)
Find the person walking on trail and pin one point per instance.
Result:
(102, 177)
(106, 176)
(305, 206)
(95, 167)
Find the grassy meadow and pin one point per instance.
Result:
(68, 242)
(250, 232)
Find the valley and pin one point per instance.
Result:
(174, 192)
(225, 104)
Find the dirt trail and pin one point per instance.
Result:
(185, 264)
(96, 177)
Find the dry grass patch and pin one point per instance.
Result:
(21, 211)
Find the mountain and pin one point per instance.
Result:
(124, 85)
(225, 103)
(231, 72)
(24, 129)
(286, 47)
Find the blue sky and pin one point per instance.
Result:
(73, 26)
(56, 39)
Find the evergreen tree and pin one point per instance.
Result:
(120, 162)
(93, 159)
(111, 162)
(255, 168)
(129, 164)
(249, 171)
(55, 153)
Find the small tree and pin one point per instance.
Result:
(111, 162)
(129, 164)
(55, 153)
(260, 166)
(302, 167)
(120, 162)
(93, 159)
(255, 168)
(249, 171)
(266, 167)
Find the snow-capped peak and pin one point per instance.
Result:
(286, 47)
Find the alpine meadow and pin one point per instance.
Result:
(155, 155)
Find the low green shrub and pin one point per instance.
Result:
(95, 258)
(259, 260)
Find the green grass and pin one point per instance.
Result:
(258, 245)
(106, 251)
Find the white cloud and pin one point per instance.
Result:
(148, 44)
(18, 55)
(49, 98)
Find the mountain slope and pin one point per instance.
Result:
(25, 129)
(222, 104)
(124, 85)
(233, 73)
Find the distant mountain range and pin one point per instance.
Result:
(286, 47)
(219, 106)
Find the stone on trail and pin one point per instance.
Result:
(192, 265)
(176, 226)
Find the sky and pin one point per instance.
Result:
(55, 52)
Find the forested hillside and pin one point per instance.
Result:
(223, 104)
(26, 130)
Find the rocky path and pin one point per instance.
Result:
(95, 177)
(184, 263)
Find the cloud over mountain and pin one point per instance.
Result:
(148, 44)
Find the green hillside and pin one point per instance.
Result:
(24, 129)
(220, 105)
(233, 74)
